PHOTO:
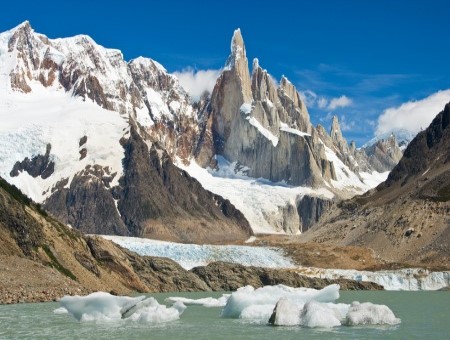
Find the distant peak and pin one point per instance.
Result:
(255, 64)
(237, 40)
(237, 49)
(335, 127)
(284, 81)
(23, 26)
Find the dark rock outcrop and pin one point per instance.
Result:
(427, 148)
(310, 208)
(222, 276)
(39, 165)
(172, 204)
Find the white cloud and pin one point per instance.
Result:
(309, 97)
(413, 115)
(322, 102)
(197, 82)
(342, 101)
(345, 124)
(312, 99)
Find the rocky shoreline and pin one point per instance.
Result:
(45, 285)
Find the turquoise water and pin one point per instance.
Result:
(423, 314)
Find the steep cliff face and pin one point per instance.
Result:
(259, 125)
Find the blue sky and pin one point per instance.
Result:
(368, 56)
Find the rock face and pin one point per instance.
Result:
(311, 208)
(38, 166)
(384, 154)
(221, 276)
(249, 119)
(171, 205)
(406, 218)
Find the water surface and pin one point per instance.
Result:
(423, 315)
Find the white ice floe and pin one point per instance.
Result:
(287, 306)
(205, 302)
(370, 314)
(269, 295)
(194, 255)
(101, 306)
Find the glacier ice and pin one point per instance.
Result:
(370, 314)
(101, 306)
(248, 296)
(205, 302)
(286, 306)
(286, 313)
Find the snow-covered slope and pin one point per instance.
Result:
(48, 116)
(269, 207)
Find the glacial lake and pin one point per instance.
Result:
(424, 315)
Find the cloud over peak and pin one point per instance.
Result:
(195, 82)
(413, 115)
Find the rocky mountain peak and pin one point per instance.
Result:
(237, 63)
(336, 135)
(237, 45)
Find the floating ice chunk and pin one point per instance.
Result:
(286, 313)
(60, 310)
(150, 310)
(257, 312)
(205, 302)
(370, 314)
(248, 296)
(325, 315)
(101, 306)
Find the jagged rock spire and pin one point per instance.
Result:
(237, 62)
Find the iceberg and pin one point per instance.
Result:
(205, 302)
(370, 314)
(270, 295)
(101, 306)
(286, 306)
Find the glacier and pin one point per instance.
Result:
(192, 255)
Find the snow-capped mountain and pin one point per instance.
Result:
(89, 136)
(92, 137)
(402, 136)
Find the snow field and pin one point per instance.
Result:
(260, 200)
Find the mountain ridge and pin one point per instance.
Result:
(86, 99)
(406, 218)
